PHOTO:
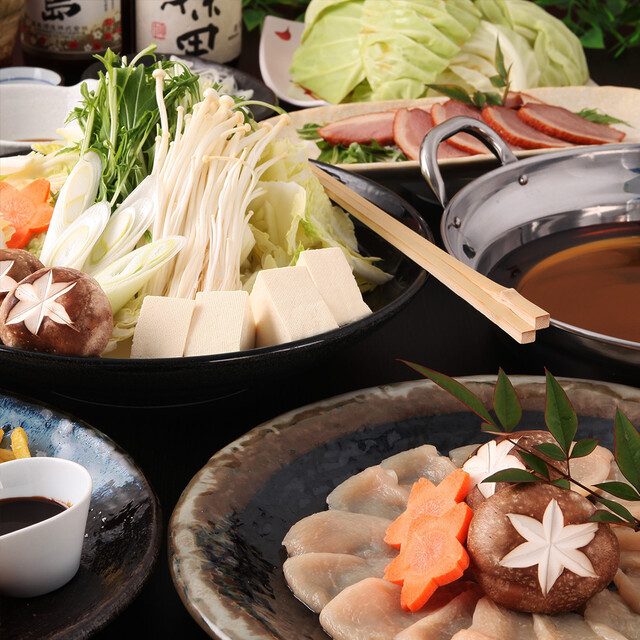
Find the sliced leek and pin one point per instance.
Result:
(74, 244)
(125, 228)
(77, 195)
(122, 279)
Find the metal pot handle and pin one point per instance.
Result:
(431, 142)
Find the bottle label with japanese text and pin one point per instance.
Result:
(210, 29)
(79, 27)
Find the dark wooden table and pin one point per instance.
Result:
(437, 329)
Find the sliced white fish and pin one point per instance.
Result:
(445, 621)
(591, 469)
(568, 626)
(337, 531)
(490, 620)
(374, 491)
(609, 609)
(628, 583)
(606, 633)
(317, 578)
(459, 456)
(629, 560)
(367, 610)
(629, 540)
(421, 462)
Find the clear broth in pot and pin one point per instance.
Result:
(588, 277)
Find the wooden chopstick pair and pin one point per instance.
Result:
(504, 306)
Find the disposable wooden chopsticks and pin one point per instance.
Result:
(513, 313)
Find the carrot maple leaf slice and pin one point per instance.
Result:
(428, 499)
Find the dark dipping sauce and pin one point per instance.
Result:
(18, 513)
(588, 278)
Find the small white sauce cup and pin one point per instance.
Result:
(44, 556)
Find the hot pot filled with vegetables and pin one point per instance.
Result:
(168, 210)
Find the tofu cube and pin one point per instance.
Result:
(287, 306)
(162, 327)
(332, 275)
(222, 322)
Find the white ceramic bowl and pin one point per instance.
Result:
(30, 75)
(278, 42)
(44, 556)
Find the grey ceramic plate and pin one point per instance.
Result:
(226, 530)
(123, 530)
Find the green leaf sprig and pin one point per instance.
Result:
(601, 23)
(597, 116)
(562, 422)
(254, 11)
(481, 98)
(353, 153)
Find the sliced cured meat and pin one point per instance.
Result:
(562, 123)
(514, 131)
(628, 583)
(337, 531)
(317, 578)
(498, 623)
(410, 126)
(361, 129)
(567, 626)
(445, 621)
(367, 610)
(609, 609)
(463, 141)
(374, 491)
(515, 99)
(421, 462)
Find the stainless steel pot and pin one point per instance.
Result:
(528, 199)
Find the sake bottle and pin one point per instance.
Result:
(210, 29)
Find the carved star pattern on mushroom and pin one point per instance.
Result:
(37, 301)
(489, 459)
(6, 282)
(551, 545)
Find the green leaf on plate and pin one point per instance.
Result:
(627, 449)
(563, 483)
(618, 509)
(605, 516)
(452, 91)
(551, 450)
(512, 475)
(506, 403)
(619, 490)
(559, 415)
(536, 463)
(583, 447)
(457, 390)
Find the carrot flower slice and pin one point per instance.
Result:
(427, 498)
(430, 534)
(26, 210)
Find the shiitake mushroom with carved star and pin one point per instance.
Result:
(15, 264)
(533, 549)
(57, 310)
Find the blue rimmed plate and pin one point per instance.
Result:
(123, 533)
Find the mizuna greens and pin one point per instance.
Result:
(120, 118)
